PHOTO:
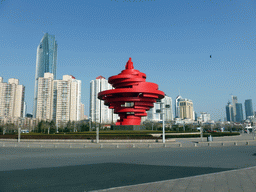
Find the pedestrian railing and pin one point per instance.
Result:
(125, 145)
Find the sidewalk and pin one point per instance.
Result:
(236, 180)
(244, 139)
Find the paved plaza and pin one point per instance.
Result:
(227, 164)
(236, 180)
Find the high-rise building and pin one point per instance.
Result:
(234, 101)
(11, 98)
(177, 106)
(99, 112)
(82, 116)
(248, 108)
(155, 113)
(186, 109)
(24, 109)
(205, 117)
(46, 61)
(195, 116)
(59, 100)
(229, 112)
(239, 112)
(66, 100)
(45, 97)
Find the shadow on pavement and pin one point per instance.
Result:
(94, 176)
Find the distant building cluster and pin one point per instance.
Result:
(234, 110)
(54, 100)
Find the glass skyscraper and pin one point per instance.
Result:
(248, 108)
(177, 106)
(239, 112)
(229, 112)
(46, 61)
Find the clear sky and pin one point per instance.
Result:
(169, 40)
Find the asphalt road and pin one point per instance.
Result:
(31, 169)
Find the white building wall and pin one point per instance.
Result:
(99, 112)
(45, 97)
(11, 98)
(205, 117)
(75, 99)
(154, 116)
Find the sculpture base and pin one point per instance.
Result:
(128, 127)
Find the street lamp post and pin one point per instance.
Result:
(163, 128)
(90, 128)
(253, 132)
(97, 134)
(163, 112)
(201, 133)
(19, 129)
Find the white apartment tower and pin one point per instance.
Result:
(82, 112)
(205, 117)
(58, 100)
(67, 99)
(154, 115)
(11, 98)
(99, 112)
(45, 97)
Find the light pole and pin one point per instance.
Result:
(163, 127)
(19, 129)
(253, 132)
(90, 127)
(97, 134)
(162, 112)
(201, 132)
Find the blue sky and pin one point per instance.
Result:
(171, 41)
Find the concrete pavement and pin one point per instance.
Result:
(244, 139)
(236, 180)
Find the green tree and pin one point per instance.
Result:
(39, 127)
(52, 127)
(84, 127)
(68, 127)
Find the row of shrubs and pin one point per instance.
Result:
(218, 134)
(116, 136)
(110, 136)
(101, 132)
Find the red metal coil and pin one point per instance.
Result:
(132, 96)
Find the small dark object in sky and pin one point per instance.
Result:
(210, 56)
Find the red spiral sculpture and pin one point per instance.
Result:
(132, 96)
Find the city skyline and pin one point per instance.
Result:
(170, 42)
